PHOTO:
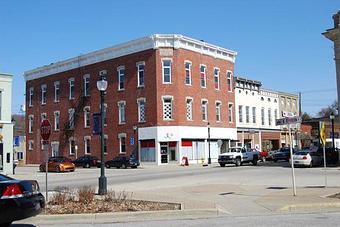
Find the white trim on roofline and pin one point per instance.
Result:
(150, 42)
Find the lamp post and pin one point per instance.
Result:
(209, 158)
(102, 85)
(331, 116)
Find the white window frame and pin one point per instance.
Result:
(31, 145)
(43, 94)
(87, 116)
(240, 113)
(71, 85)
(230, 81)
(247, 114)
(189, 101)
(30, 123)
(170, 70)
(204, 115)
(56, 88)
(138, 64)
(70, 146)
(87, 139)
(120, 136)
(230, 112)
(121, 112)
(139, 101)
(205, 75)
(276, 114)
(218, 105)
(86, 82)
(31, 96)
(253, 114)
(121, 69)
(189, 63)
(217, 77)
(263, 122)
(55, 113)
(171, 98)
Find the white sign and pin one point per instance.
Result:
(288, 120)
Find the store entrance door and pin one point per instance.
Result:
(164, 153)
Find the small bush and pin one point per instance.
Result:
(85, 194)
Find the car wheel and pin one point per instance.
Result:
(5, 224)
(87, 165)
(311, 164)
(274, 160)
(124, 166)
(255, 161)
(238, 162)
(222, 164)
(263, 159)
(57, 169)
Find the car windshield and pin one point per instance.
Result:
(5, 178)
(301, 153)
(234, 150)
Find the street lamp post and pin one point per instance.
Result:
(331, 116)
(209, 158)
(102, 85)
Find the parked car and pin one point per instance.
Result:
(332, 155)
(87, 161)
(307, 158)
(58, 164)
(282, 154)
(123, 162)
(19, 199)
(238, 156)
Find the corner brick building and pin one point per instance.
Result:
(163, 92)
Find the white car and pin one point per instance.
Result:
(306, 158)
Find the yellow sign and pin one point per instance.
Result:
(323, 133)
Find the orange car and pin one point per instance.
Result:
(58, 164)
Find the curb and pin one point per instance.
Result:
(121, 217)
(311, 207)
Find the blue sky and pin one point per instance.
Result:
(278, 42)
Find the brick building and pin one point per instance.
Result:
(163, 90)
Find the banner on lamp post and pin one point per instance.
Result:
(96, 124)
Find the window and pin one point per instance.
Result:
(86, 84)
(218, 111)
(56, 91)
(166, 64)
(230, 112)
(87, 143)
(30, 123)
(121, 113)
(43, 116)
(87, 117)
(247, 114)
(121, 77)
(262, 116)
(167, 108)
(204, 109)
(71, 118)
(71, 88)
(72, 147)
(141, 109)
(56, 121)
(140, 74)
(30, 145)
(189, 109)
(203, 76)
(269, 117)
(254, 115)
(122, 142)
(217, 78)
(30, 98)
(275, 114)
(43, 94)
(187, 73)
(240, 113)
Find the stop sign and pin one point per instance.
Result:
(45, 129)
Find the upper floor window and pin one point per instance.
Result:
(87, 117)
(254, 115)
(203, 76)
(56, 121)
(122, 142)
(87, 143)
(71, 118)
(30, 123)
(275, 114)
(230, 112)
(141, 109)
(43, 94)
(103, 75)
(247, 114)
(86, 85)
(269, 117)
(217, 78)
(204, 109)
(30, 97)
(140, 74)
(71, 88)
(240, 113)
(121, 113)
(121, 77)
(262, 116)
(189, 109)
(187, 73)
(166, 65)
(218, 111)
(167, 108)
(56, 91)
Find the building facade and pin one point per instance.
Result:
(256, 112)
(6, 125)
(167, 97)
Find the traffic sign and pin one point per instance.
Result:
(45, 129)
(288, 120)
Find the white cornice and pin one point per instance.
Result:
(150, 42)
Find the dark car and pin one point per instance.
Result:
(123, 162)
(282, 154)
(332, 155)
(19, 199)
(87, 161)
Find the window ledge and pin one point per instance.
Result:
(141, 86)
(122, 123)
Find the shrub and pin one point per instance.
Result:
(85, 194)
